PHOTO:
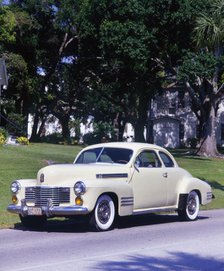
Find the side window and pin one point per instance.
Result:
(86, 157)
(148, 159)
(168, 162)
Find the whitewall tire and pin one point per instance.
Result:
(191, 207)
(104, 214)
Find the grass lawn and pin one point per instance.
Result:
(21, 162)
(17, 162)
(209, 169)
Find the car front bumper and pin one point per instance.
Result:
(49, 210)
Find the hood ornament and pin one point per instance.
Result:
(42, 177)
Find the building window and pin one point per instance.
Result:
(172, 111)
(198, 131)
(181, 99)
(181, 131)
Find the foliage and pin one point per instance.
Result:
(22, 140)
(209, 25)
(2, 139)
(15, 124)
(121, 66)
(4, 132)
(201, 72)
(20, 87)
(8, 23)
(54, 138)
(102, 132)
(195, 65)
(75, 125)
(106, 59)
(192, 143)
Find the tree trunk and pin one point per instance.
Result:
(142, 118)
(64, 121)
(139, 131)
(208, 144)
(149, 135)
(34, 136)
(41, 131)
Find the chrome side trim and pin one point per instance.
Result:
(156, 210)
(111, 175)
(127, 201)
(209, 195)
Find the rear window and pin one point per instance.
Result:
(168, 162)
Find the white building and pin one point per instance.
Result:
(174, 124)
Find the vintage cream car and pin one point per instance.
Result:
(109, 180)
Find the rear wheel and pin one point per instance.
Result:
(104, 214)
(190, 209)
(33, 222)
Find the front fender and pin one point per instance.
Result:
(121, 190)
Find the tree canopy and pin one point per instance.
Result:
(108, 58)
(202, 71)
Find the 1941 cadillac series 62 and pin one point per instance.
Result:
(109, 180)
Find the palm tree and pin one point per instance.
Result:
(209, 31)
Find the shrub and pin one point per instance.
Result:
(22, 140)
(4, 132)
(54, 138)
(102, 131)
(91, 138)
(192, 143)
(16, 124)
(2, 139)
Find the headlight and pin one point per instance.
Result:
(15, 187)
(79, 188)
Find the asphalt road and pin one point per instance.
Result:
(154, 242)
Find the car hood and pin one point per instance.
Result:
(67, 174)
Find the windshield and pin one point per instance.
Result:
(105, 155)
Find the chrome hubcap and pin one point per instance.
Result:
(192, 205)
(103, 212)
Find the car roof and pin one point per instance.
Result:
(129, 145)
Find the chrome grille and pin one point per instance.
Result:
(40, 195)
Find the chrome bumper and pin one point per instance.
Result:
(49, 210)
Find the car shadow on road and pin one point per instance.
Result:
(71, 225)
(174, 261)
(150, 219)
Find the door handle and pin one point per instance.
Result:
(165, 175)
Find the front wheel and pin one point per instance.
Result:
(104, 214)
(191, 207)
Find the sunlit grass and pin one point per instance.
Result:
(209, 169)
(20, 162)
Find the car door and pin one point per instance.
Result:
(173, 175)
(149, 181)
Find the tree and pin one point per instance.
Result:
(65, 96)
(124, 57)
(45, 35)
(132, 44)
(8, 23)
(203, 74)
